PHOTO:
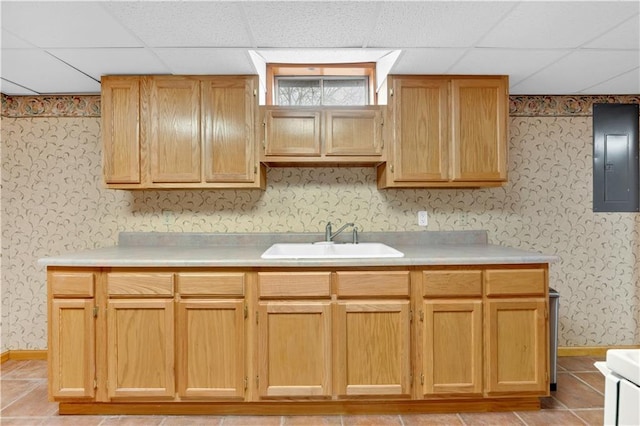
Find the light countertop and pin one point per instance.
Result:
(244, 250)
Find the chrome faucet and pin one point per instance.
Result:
(329, 235)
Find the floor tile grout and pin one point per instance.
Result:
(35, 368)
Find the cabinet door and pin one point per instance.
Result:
(294, 349)
(372, 348)
(452, 348)
(140, 348)
(120, 103)
(211, 352)
(353, 132)
(516, 349)
(72, 367)
(228, 111)
(421, 139)
(479, 129)
(294, 132)
(175, 148)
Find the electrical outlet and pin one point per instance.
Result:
(423, 218)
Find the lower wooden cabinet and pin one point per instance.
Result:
(516, 346)
(294, 349)
(210, 349)
(72, 358)
(516, 331)
(274, 336)
(373, 348)
(72, 333)
(140, 348)
(451, 348)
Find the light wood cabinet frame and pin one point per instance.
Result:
(72, 367)
(372, 349)
(294, 347)
(210, 349)
(140, 336)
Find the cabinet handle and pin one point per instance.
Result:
(392, 168)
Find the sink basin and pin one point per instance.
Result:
(329, 251)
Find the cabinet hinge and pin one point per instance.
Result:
(255, 92)
(546, 313)
(256, 317)
(411, 379)
(246, 383)
(390, 92)
(391, 168)
(95, 384)
(255, 169)
(421, 316)
(246, 312)
(257, 381)
(410, 315)
(422, 379)
(95, 312)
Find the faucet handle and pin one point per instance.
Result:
(355, 235)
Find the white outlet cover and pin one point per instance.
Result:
(423, 218)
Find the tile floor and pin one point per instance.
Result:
(579, 400)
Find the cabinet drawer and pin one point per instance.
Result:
(295, 284)
(72, 284)
(509, 282)
(136, 284)
(210, 283)
(372, 283)
(452, 283)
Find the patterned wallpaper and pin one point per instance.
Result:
(52, 202)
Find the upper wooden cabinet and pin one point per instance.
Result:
(302, 135)
(180, 132)
(120, 104)
(446, 132)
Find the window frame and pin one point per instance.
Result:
(367, 69)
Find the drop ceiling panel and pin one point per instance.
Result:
(435, 24)
(42, 73)
(321, 56)
(426, 61)
(180, 24)
(8, 88)
(557, 24)
(623, 36)
(518, 64)
(206, 61)
(10, 41)
(99, 62)
(65, 24)
(311, 24)
(618, 85)
(579, 71)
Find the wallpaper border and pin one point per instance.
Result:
(519, 105)
(51, 106)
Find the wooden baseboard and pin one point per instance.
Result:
(24, 355)
(302, 408)
(591, 350)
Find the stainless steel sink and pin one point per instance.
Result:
(330, 251)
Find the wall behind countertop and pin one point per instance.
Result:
(52, 202)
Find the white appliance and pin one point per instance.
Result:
(622, 387)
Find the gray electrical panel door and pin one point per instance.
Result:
(615, 158)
